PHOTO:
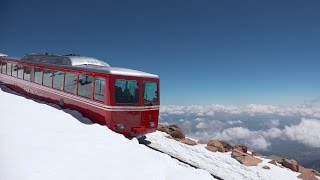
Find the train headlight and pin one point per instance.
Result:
(120, 126)
(152, 124)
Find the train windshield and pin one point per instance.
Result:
(150, 95)
(126, 91)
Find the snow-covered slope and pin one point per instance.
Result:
(38, 141)
(219, 164)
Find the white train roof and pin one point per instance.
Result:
(3, 54)
(131, 72)
(84, 62)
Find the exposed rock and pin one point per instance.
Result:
(266, 167)
(315, 172)
(291, 164)
(280, 161)
(227, 146)
(244, 158)
(212, 148)
(162, 128)
(188, 141)
(241, 147)
(273, 162)
(273, 157)
(174, 131)
(303, 170)
(202, 142)
(236, 153)
(307, 175)
(256, 154)
(217, 144)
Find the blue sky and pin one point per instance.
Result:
(205, 52)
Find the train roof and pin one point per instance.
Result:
(3, 54)
(82, 62)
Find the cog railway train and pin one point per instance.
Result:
(127, 101)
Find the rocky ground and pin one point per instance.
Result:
(240, 152)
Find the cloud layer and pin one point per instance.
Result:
(255, 125)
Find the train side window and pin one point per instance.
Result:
(20, 71)
(14, 70)
(4, 68)
(47, 77)
(9, 69)
(38, 75)
(58, 79)
(85, 86)
(26, 73)
(70, 83)
(126, 91)
(99, 89)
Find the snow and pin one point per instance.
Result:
(41, 141)
(219, 164)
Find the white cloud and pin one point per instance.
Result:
(306, 132)
(254, 139)
(199, 119)
(234, 122)
(236, 133)
(202, 125)
(272, 133)
(260, 143)
(209, 113)
(197, 122)
(275, 122)
(251, 110)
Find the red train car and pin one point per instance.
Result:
(127, 101)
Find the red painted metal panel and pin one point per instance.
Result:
(136, 118)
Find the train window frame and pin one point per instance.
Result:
(35, 75)
(126, 103)
(54, 81)
(105, 89)
(144, 90)
(25, 72)
(20, 69)
(4, 64)
(43, 78)
(79, 86)
(9, 68)
(14, 66)
(75, 81)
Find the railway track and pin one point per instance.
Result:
(145, 142)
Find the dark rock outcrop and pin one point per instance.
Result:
(291, 164)
(256, 154)
(217, 144)
(307, 175)
(212, 148)
(244, 158)
(272, 162)
(188, 141)
(202, 142)
(173, 130)
(241, 147)
(227, 146)
(266, 167)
